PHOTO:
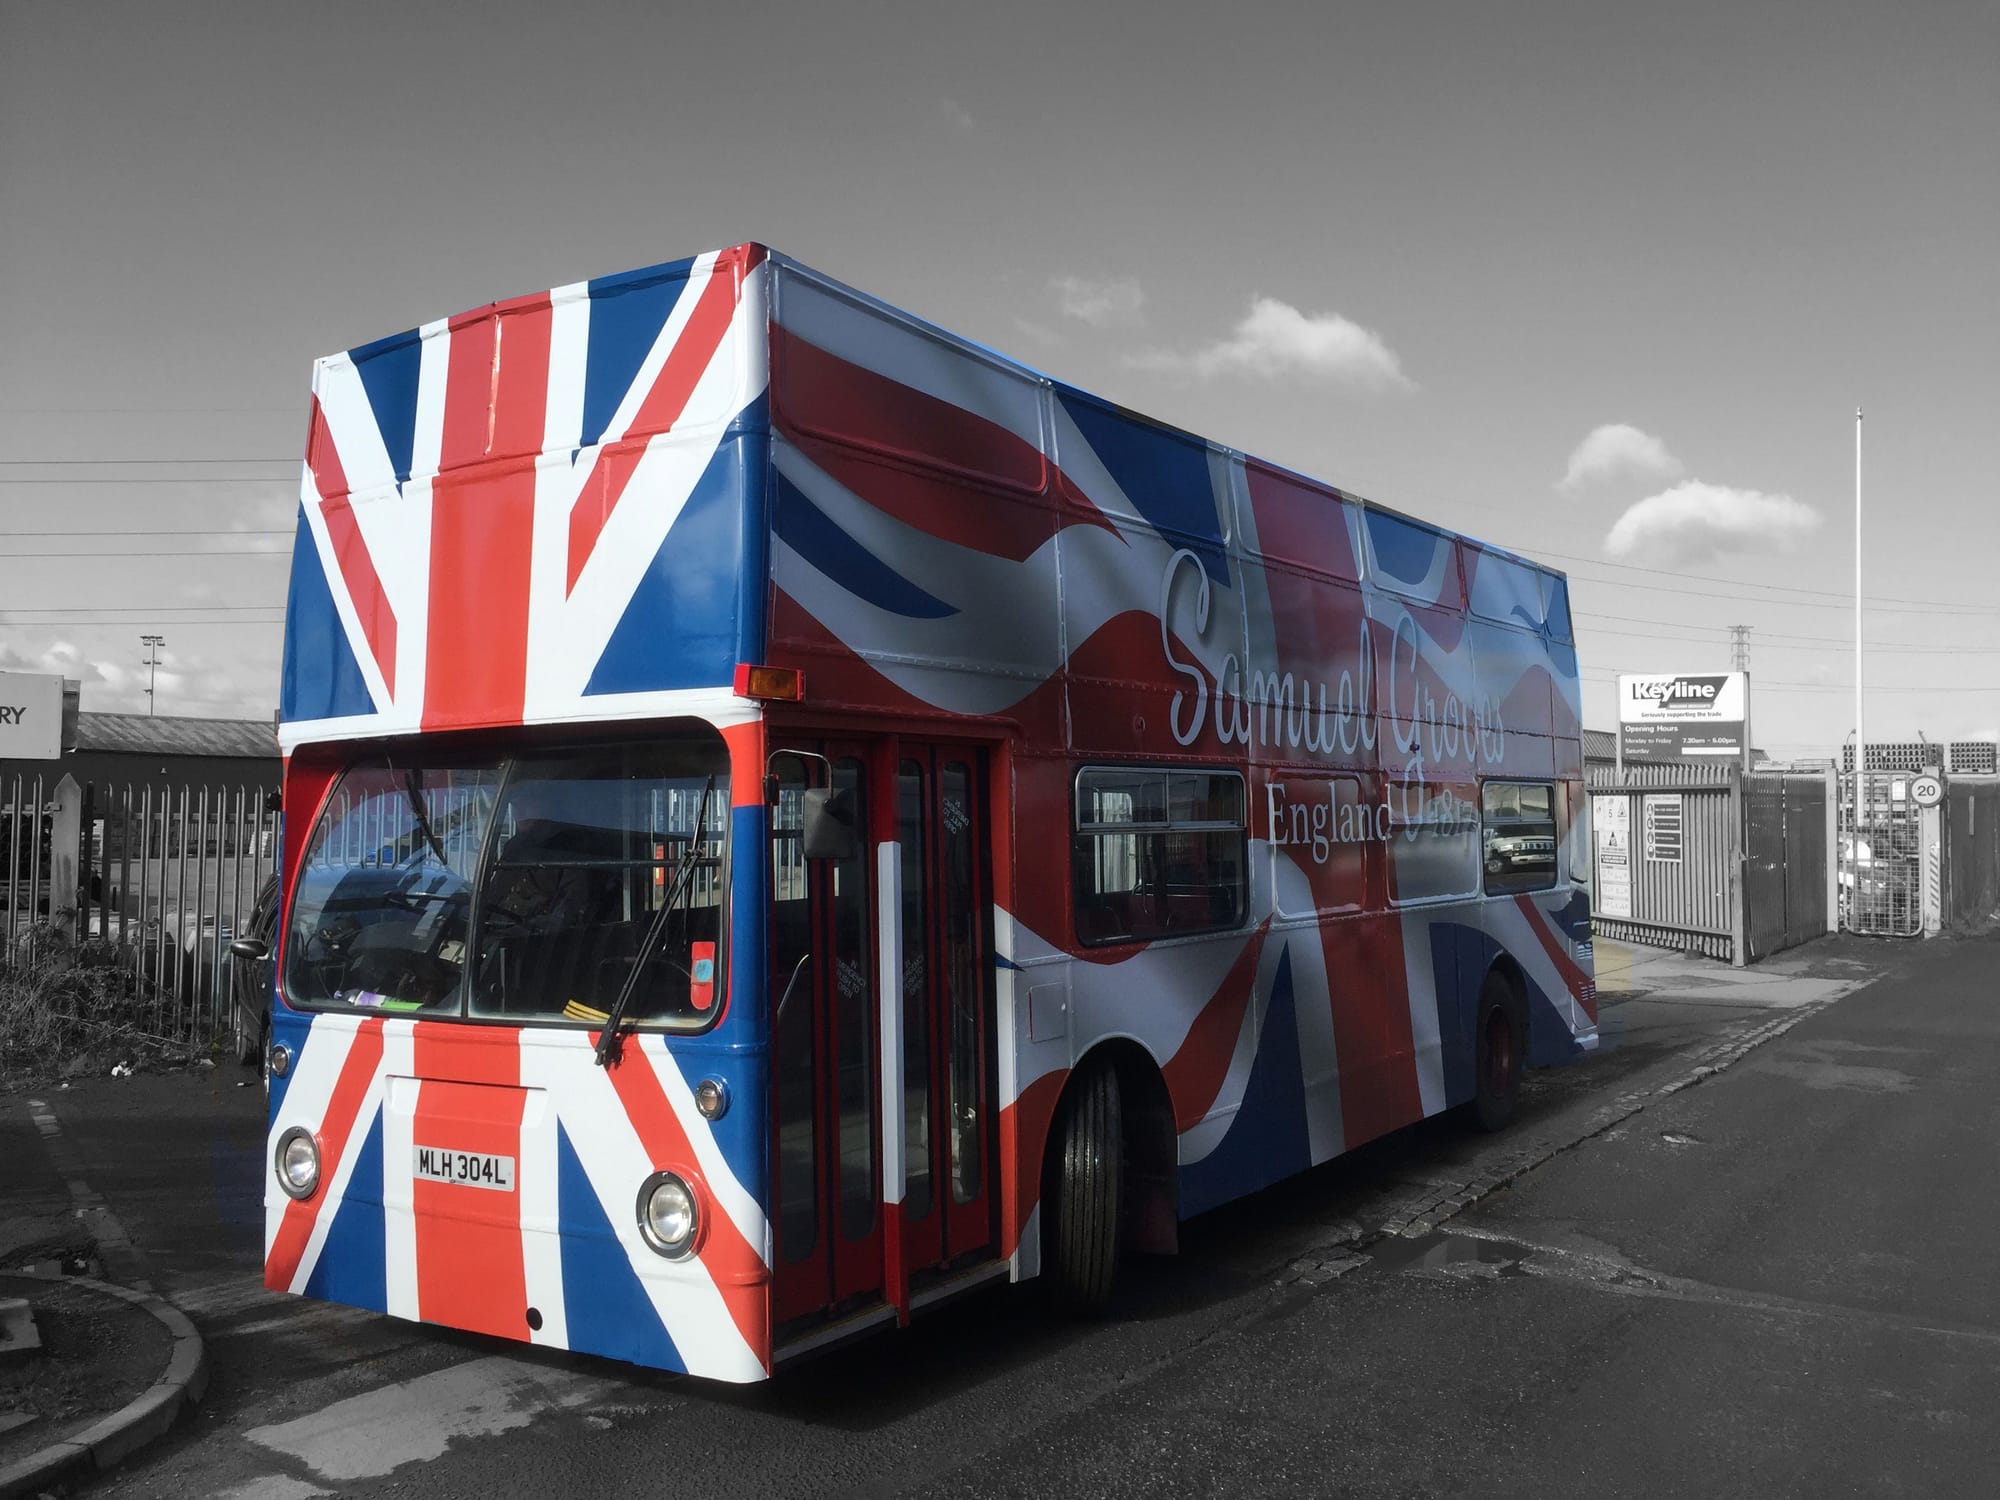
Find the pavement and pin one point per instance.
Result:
(308, 1396)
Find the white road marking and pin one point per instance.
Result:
(414, 1421)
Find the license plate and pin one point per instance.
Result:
(465, 1168)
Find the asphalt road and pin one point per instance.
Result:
(1776, 1282)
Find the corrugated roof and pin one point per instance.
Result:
(1600, 744)
(137, 734)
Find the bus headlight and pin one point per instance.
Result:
(297, 1161)
(668, 1217)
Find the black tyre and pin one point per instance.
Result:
(248, 1043)
(1083, 1193)
(1499, 1052)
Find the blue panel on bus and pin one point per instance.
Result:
(389, 369)
(1268, 1139)
(1460, 956)
(627, 313)
(1165, 477)
(321, 679)
(352, 1266)
(679, 631)
(606, 1309)
(818, 538)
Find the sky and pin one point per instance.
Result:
(1601, 283)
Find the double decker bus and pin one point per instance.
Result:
(792, 816)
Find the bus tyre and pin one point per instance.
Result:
(1082, 1193)
(1500, 1048)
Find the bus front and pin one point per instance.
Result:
(514, 1082)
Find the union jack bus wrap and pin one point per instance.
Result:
(793, 815)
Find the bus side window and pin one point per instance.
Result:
(1519, 842)
(1157, 853)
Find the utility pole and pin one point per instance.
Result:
(1739, 648)
(152, 644)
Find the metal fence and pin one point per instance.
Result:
(162, 874)
(1972, 851)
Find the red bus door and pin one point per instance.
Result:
(826, 1172)
(830, 927)
(948, 1122)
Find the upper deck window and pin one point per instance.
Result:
(1504, 590)
(1414, 560)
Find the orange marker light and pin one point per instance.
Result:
(776, 684)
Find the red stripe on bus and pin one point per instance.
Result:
(732, 1262)
(1561, 955)
(483, 519)
(471, 1269)
(350, 549)
(693, 352)
(1194, 1074)
(357, 1072)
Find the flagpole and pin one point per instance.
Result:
(1860, 733)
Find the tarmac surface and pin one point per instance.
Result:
(1743, 1250)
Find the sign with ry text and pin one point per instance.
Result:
(31, 708)
(1683, 716)
(1611, 820)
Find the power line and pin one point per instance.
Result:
(286, 478)
(97, 463)
(132, 609)
(121, 531)
(162, 552)
(1820, 644)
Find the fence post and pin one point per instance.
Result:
(1738, 867)
(65, 851)
(1931, 839)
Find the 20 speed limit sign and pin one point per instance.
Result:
(1927, 791)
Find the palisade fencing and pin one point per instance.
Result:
(164, 875)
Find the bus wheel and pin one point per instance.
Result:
(1499, 1051)
(1082, 1193)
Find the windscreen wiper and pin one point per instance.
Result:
(423, 817)
(608, 1042)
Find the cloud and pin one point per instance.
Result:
(1695, 521)
(1036, 331)
(1618, 449)
(1274, 338)
(1101, 304)
(957, 114)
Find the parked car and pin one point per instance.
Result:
(251, 961)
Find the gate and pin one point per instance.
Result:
(1881, 868)
(1682, 835)
(1784, 871)
(1972, 851)
(159, 875)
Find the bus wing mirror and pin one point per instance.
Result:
(827, 823)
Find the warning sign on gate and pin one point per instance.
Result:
(1611, 818)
